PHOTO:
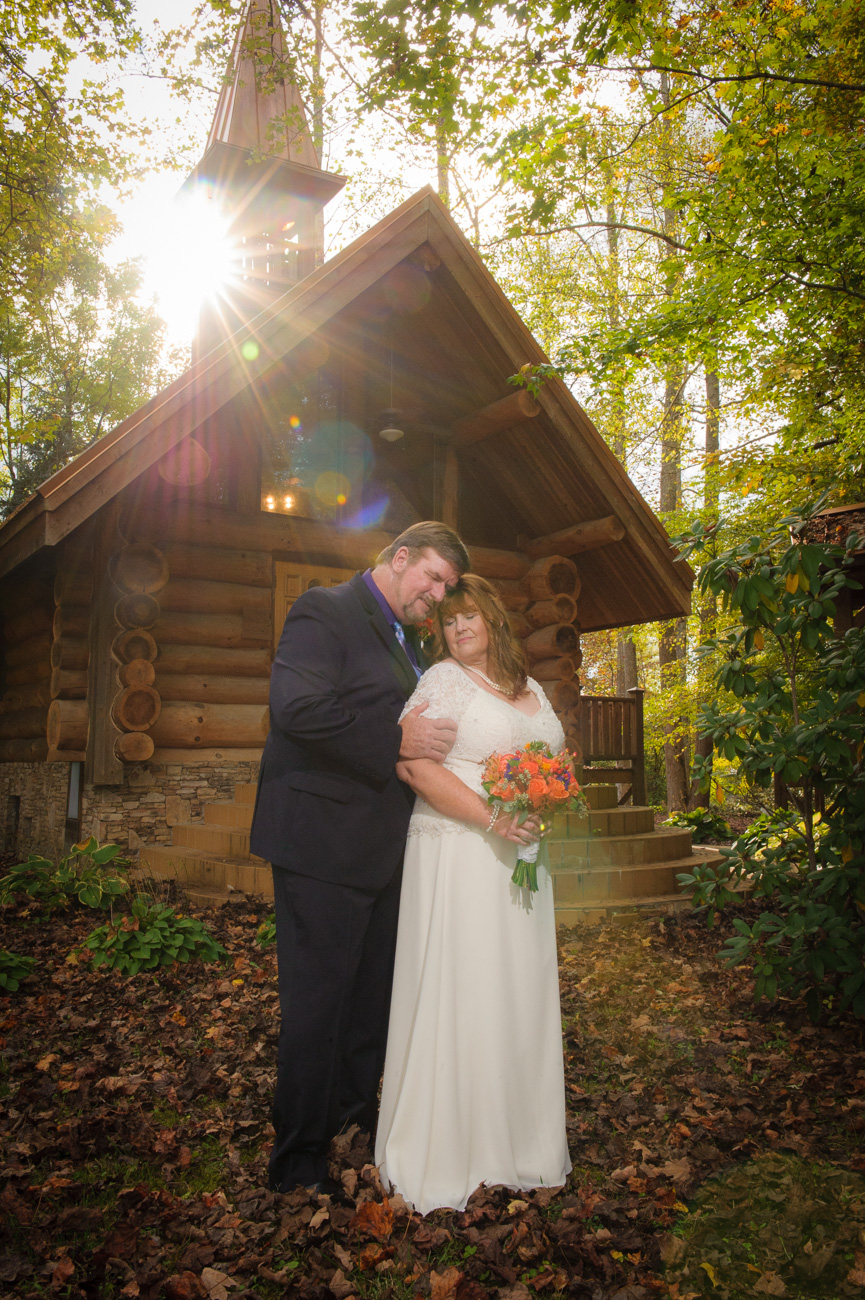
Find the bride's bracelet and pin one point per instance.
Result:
(494, 816)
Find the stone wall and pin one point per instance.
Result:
(156, 796)
(153, 798)
(33, 808)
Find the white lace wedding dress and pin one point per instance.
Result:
(473, 1086)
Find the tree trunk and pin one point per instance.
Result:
(703, 747)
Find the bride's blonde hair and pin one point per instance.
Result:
(506, 658)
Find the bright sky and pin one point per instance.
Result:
(182, 253)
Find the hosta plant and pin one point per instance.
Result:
(151, 935)
(92, 873)
(13, 969)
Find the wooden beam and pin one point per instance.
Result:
(503, 414)
(587, 536)
(450, 499)
(291, 535)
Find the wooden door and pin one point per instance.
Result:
(292, 579)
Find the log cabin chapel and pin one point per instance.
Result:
(143, 588)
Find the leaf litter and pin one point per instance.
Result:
(717, 1147)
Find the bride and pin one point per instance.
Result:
(473, 1087)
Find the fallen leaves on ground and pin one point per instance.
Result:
(136, 1128)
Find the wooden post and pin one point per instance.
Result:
(102, 766)
(638, 786)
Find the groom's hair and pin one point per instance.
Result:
(432, 536)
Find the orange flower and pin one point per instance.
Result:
(557, 789)
(530, 767)
(537, 789)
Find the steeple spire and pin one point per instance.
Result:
(261, 168)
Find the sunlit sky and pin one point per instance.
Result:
(182, 249)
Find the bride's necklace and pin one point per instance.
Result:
(483, 677)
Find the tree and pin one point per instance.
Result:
(791, 705)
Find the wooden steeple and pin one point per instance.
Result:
(260, 167)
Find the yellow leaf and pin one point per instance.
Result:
(719, 792)
(861, 700)
(711, 1273)
(846, 854)
(759, 641)
(792, 583)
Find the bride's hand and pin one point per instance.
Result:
(509, 828)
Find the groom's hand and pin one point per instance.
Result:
(431, 738)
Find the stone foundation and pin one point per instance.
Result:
(33, 799)
(153, 798)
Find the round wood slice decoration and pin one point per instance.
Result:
(138, 567)
(137, 610)
(134, 747)
(135, 643)
(136, 708)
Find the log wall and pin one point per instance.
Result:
(194, 669)
(543, 613)
(27, 631)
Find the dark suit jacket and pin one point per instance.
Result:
(328, 803)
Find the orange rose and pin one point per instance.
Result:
(558, 789)
(530, 767)
(537, 789)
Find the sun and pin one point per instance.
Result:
(188, 257)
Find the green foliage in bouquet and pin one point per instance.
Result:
(152, 935)
(93, 874)
(704, 824)
(13, 969)
(791, 704)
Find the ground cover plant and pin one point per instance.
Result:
(134, 1135)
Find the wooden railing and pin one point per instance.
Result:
(611, 732)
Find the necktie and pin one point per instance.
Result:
(399, 633)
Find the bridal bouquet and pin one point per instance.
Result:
(534, 779)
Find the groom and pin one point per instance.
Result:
(331, 816)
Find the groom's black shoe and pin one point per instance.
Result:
(328, 1187)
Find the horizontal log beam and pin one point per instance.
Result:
(207, 688)
(25, 724)
(191, 726)
(516, 408)
(23, 751)
(304, 539)
(196, 596)
(588, 536)
(207, 660)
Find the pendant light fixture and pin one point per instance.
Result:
(391, 431)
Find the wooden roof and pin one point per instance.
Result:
(527, 481)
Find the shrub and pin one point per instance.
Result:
(791, 704)
(93, 874)
(703, 823)
(151, 936)
(13, 969)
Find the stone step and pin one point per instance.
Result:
(608, 886)
(193, 868)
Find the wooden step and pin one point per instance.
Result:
(626, 820)
(192, 868)
(245, 793)
(238, 816)
(604, 887)
(600, 796)
(224, 841)
(623, 910)
(603, 851)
